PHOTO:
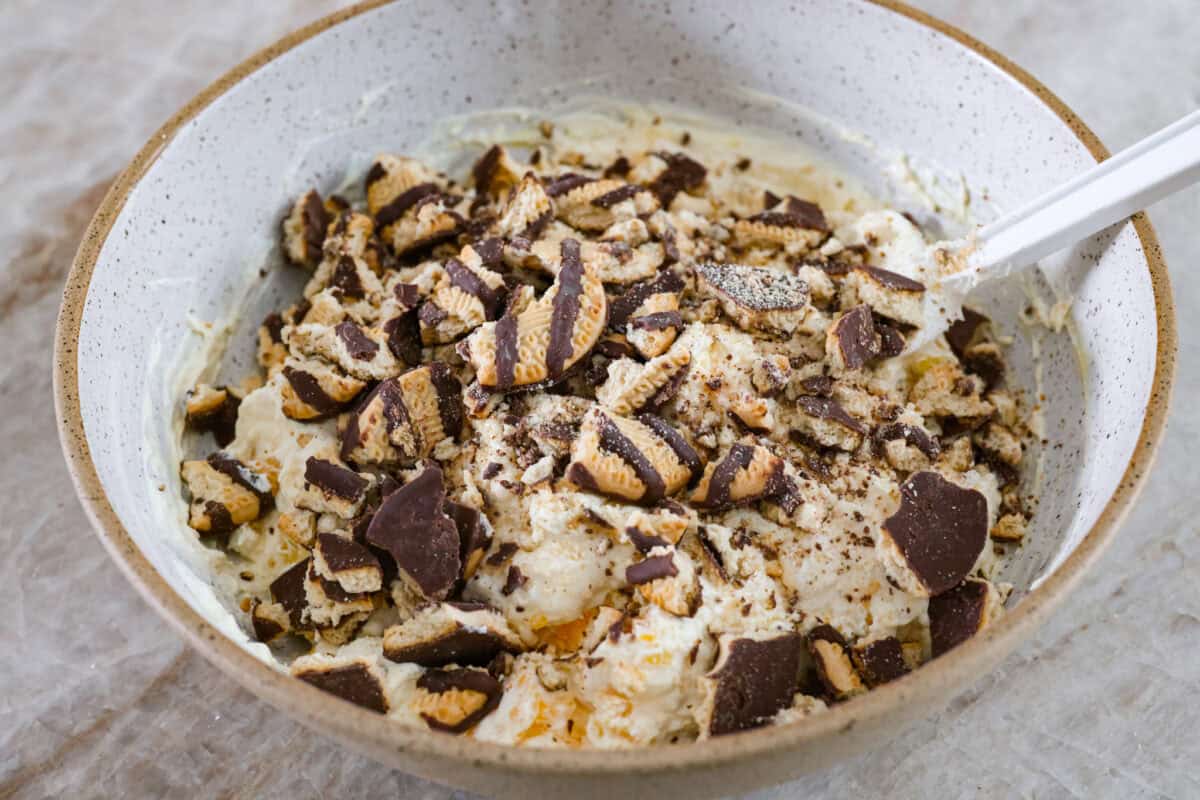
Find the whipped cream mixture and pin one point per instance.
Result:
(611, 440)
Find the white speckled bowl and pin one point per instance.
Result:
(199, 206)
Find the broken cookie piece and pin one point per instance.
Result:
(467, 634)
(887, 293)
(756, 298)
(752, 681)
(455, 700)
(641, 460)
(359, 680)
(332, 488)
(794, 225)
(225, 494)
(824, 419)
(880, 661)
(633, 387)
(213, 409)
(831, 657)
(355, 568)
(413, 528)
(746, 474)
(404, 418)
(962, 612)
(542, 342)
(933, 541)
(305, 227)
(313, 390)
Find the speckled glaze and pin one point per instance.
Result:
(196, 212)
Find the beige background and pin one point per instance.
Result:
(99, 698)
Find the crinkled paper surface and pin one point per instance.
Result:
(99, 698)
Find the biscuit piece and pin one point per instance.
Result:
(332, 488)
(832, 659)
(824, 419)
(852, 341)
(468, 634)
(313, 390)
(395, 183)
(304, 229)
(756, 298)
(455, 700)
(422, 540)
(225, 494)
(360, 352)
(329, 605)
(359, 679)
(269, 621)
(746, 474)
(640, 460)
(431, 221)
(962, 612)
(880, 661)
(1009, 528)
(648, 313)
(538, 345)
(889, 294)
(752, 681)
(496, 172)
(404, 418)
(526, 212)
(633, 387)
(467, 295)
(288, 591)
(590, 206)
(213, 409)
(933, 541)
(906, 447)
(943, 390)
(793, 224)
(355, 568)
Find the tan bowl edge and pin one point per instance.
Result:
(380, 737)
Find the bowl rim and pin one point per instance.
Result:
(380, 736)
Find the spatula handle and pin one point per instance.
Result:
(1114, 189)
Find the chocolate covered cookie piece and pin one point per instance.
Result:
(934, 539)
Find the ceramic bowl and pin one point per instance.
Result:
(196, 213)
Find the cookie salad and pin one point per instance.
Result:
(607, 446)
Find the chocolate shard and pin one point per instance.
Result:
(354, 682)
(333, 479)
(644, 542)
(651, 569)
(880, 661)
(475, 695)
(958, 614)
(852, 340)
(752, 681)
(424, 543)
(932, 542)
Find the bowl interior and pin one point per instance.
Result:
(887, 99)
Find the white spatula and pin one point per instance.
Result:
(1128, 182)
